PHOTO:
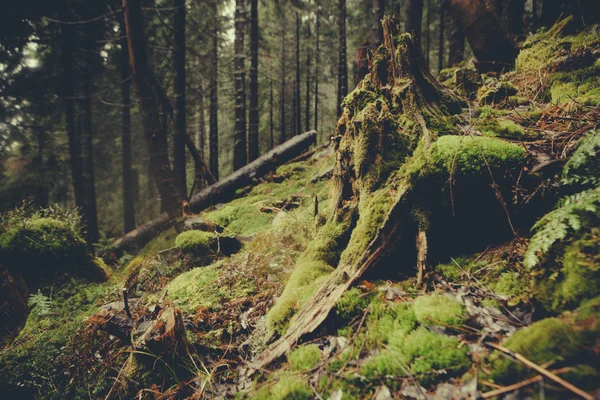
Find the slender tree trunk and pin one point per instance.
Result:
(43, 196)
(317, 61)
(298, 109)
(200, 124)
(253, 151)
(428, 32)
(67, 61)
(412, 19)
(376, 17)
(282, 135)
(240, 154)
(457, 44)
(491, 45)
(342, 63)
(87, 152)
(272, 142)
(307, 74)
(150, 95)
(179, 164)
(128, 200)
(214, 100)
(441, 39)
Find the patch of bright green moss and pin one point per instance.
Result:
(304, 358)
(505, 128)
(285, 387)
(352, 303)
(496, 92)
(241, 217)
(193, 289)
(197, 242)
(389, 323)
(439, 309)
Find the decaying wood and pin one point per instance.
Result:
(421, 255)
(542, 371)
(223, 190)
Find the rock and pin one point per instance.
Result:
(383, 393)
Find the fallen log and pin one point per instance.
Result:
(222, 191)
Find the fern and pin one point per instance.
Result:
(40, 304)
(573, 213)
(583, 168)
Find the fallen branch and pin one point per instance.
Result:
(517, 386)
(542, 371)
(222, 191)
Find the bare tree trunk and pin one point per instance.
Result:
(491, 45)
(298, 102)
(307, 74)
(179, 164)
(412, 22)
(441, 39)
(128, 200)
(428, 32)
(317, 60)
(214, 100)
(253, 116)
(342, 63)
(200, 125)
(42, 196)
(272, 141)
(376, 17)
(457, 45)
(282, 136)
(87, 153)
(67, 61)
(150, 95)
(240, 154)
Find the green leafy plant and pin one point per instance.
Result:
(39, 304)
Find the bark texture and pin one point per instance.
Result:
(239, 137)
(214, 99)
(180, 102)
(342, 89)
(253, 122)
(413, 15)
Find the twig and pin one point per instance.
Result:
(526, 382)
(126, 302)
(542, 371)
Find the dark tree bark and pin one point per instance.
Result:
(307, 74)
(200, 131)
(376, 17)
(491, 45)
(441, 39)
(271, 127)
(515, 10)
(457, 44)
(317, 60)
(239, 138)
(179, 165)
(150, 95)
(67, 61)
(342, 63)
(534, 15)
(428, 32)
(412, 23)
(87, 152)
(128, 200)
(253, 115)
(42, 197)
(282, 136)
(298, 102)
(214, 99)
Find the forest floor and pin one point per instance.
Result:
(495, 315)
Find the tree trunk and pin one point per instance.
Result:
(222, 191)
(376, 17)
(282, 136)
(491, 45)
(342, 63)
(298, 102)
(200, 123)
(317, 61)
(67, 61)
(214, 100)
(150, 96)
(534, 15)
(428, 33)
(179, 164)
(515, 10)
(412, 22)
(441, 39)
(42, 196)
(271, 127)
(307, 74)
(240, 154)
(253, 116)
(457, 44)
(128, 200)
(87, 153)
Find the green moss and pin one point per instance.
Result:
(285, 387)
(389, 323)
(439, 309)
(165, 240)
(464, 156)
(495, 92)
(504, 128)
(390, 362)
(197, 242)
(304, 357)
(545, 341)
(241, 217)
(193, 289)
(352, 303)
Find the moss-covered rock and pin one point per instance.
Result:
(195, 242)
